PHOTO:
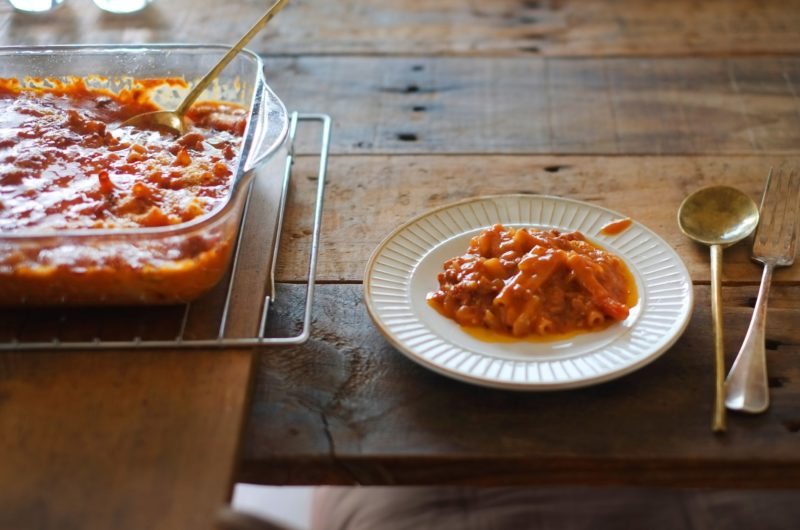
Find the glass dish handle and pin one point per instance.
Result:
(266, 141)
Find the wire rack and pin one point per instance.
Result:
(215, 338)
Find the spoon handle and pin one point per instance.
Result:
(746, 387)
(718, 424)
(214, 72)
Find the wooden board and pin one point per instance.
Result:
(349, 408)
(432, 102)
(126, 440)
(445, 27)
(387, 191)
(607, 106)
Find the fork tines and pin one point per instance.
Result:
(776, 237)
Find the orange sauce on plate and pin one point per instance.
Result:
(616, 227)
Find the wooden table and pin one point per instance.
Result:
(630, 105)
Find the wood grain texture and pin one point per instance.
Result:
(348, 408)
(367, 197)
(598, 100)
(126, 440)
(611, 106)
(445, 27)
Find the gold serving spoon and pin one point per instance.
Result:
(718, 216)
(172, 120)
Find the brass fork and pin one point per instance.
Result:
(774, 245)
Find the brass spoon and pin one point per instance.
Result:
(718, 216)
(172, 120)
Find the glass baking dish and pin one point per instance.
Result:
(146, 265)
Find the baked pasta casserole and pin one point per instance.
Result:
(526, 282)
(65, 166)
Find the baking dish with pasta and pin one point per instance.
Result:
(156, 259)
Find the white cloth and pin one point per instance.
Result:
(552, 508)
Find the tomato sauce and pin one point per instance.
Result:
(526, 282)
(616, 227)
(65, 165)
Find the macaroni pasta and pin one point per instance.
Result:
(523, 282)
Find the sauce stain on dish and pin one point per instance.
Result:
(616, 227)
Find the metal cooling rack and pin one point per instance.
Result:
(258, 339)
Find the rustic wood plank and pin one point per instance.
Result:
(125, 440)
(348, 408)
(446, 27)
(549, 106)
(367, 197)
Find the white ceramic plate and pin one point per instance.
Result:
(403, 269)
